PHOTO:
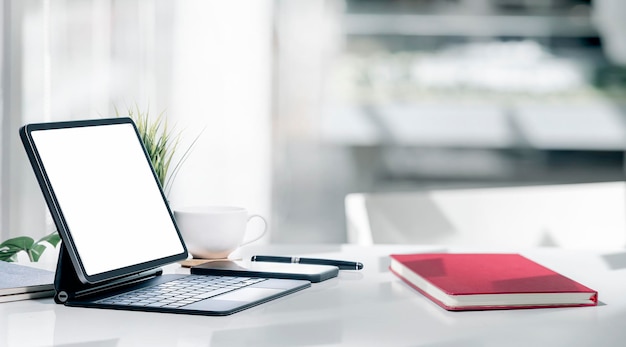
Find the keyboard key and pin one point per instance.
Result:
(181, 292)
(213, 293)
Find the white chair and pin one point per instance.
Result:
(589, 215)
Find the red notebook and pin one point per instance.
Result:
(489, 281)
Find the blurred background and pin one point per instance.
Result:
(303, 102)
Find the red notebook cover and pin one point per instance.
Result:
(489, 281)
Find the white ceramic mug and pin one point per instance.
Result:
(212, 232)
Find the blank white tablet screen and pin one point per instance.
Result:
(108, 195)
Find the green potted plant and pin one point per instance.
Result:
(161, 143)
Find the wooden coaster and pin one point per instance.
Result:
(194, 262)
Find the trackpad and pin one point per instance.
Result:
(249, 294)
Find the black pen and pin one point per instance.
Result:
(341, 264)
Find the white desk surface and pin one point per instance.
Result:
(371, 307)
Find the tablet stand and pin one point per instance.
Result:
(66, 282)
(68, 286)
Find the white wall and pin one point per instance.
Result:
(222, 84)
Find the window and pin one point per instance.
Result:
(204, 64)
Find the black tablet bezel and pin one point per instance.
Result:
(57, 214)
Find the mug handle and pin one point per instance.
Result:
(261, 234)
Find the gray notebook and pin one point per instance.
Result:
(19, 282)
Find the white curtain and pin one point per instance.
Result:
(205, 64)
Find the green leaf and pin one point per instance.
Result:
(11, 247)
(35, 252)
(161, 142)
(8, 256)
(20, 242)
(52, 238)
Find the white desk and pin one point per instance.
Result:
(366, 308)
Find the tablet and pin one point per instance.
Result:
(104, 197)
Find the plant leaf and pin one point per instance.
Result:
(52, 238)
(20, 242)
(161, 142)
(170, 181)
(10, 247)
(35, 252)
(8, 256)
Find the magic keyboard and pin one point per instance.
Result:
(182, 291)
